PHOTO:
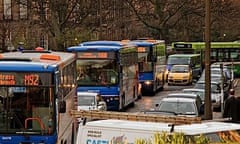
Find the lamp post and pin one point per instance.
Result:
(232, 74)
(208, 104)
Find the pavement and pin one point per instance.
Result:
(236, 86)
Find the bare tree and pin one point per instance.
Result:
(182, 19)
(59, 20)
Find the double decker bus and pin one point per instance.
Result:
(110, 69)
(151, 62)
(226, 52)
(37, 90)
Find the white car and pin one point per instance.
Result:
(199, 92)
(90, 101)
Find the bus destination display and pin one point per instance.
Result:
(95, 55)
(30, 79)
(180, 45)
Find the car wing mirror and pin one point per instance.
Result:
(101, 105)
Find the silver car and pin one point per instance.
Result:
(215, 92)
(181, 106)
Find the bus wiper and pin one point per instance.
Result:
(27, 132)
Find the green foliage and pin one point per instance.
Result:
(173, 138)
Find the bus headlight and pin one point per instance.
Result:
(147, 82)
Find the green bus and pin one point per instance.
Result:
(227, 52)
(193, 60)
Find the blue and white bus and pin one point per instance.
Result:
(152, 62)
(110, 69)
(37, 90)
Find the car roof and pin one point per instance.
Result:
(212, 82)
(181, 94)
(177, 65)
(177, 99)
(217, 65)
(194, 89)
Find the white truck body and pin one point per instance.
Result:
(117, 131)
(123, 131)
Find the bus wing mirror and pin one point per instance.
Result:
(62, 107)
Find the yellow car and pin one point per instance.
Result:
(180, 75)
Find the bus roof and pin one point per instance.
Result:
(103, 43)
(141, 43)
(201, 45)
(93, 48)
(34, 60)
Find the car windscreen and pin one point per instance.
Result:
(214, 87)
(201, 94)
(182, 108)
(180, 69)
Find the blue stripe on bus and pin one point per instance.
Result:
(143, 76)
(100, 89)
(26, 138)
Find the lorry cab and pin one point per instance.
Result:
(90, 101)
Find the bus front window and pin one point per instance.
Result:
(145, 67)
(26, 109)
(173, 61)
(97, 72)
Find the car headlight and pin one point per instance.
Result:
(185, 77)
(170, 77)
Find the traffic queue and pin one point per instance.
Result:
(180, 69)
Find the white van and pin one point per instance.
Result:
(90, 101)
(123, 131)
